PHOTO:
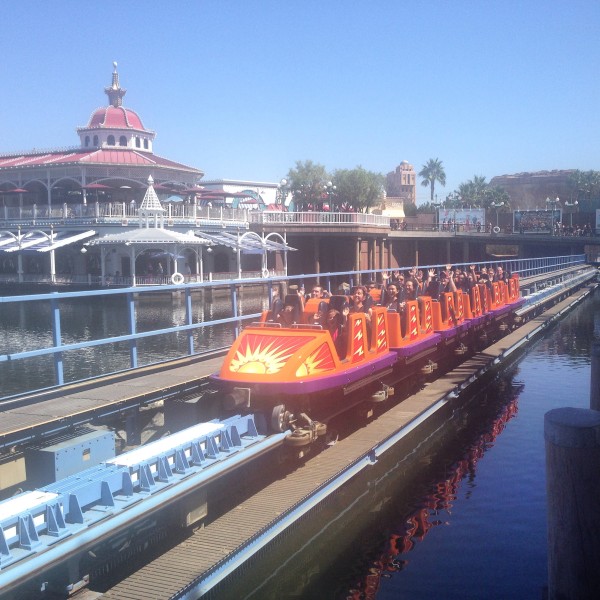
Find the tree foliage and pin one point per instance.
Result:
(432, 173)
(307, 181)
(585, 187)
(351, 189)
(479, 194)
(358, 188)
(427, 208)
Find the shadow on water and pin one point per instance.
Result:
(337, 551)
(455, 512)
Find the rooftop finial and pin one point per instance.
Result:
(114, 92)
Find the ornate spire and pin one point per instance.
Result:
(114, 92)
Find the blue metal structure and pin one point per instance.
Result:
(524, 267)
(49, 524)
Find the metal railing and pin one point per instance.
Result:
(123, 213)
(317, 218)
(235, 288)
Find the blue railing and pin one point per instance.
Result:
(265, 287)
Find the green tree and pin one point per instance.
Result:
(497, 196)
(432, 172)
(358, 188)
(410, 210)
(586, 189)
(427, 208)
(472, 193)
(307, 181)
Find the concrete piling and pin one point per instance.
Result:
(573, 495)
(595, 379)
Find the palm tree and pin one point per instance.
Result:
(431, 172)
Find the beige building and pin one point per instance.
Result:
(529, 191)
(402, 183)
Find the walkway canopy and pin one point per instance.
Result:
(174, 243)
(37, 240)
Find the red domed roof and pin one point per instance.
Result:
(115, 117)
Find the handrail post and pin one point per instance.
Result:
(189, 320)
(56, 341)
(234, 309)
(133, 354)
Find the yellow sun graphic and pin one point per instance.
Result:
(264, 355)
(320, 361)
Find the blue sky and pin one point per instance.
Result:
(243, 89)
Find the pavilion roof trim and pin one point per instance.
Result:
(149, 236)
(103, 156)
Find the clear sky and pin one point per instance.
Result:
(243, 89)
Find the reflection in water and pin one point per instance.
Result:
(456, 511)
(434, 508)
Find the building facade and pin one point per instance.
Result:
(113, 161)
(402, 183)
(529, 191)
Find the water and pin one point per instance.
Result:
(27, 326)
(462, 518)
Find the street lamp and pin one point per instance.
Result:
(497, 206)
(553, 204)
(281, 193)
(330, 191)
(436, 215)
(570, 205)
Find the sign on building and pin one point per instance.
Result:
(536, 221)
(462, 219)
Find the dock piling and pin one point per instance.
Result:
(573, 495)
(595, 378)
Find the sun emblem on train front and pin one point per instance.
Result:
(264, 354)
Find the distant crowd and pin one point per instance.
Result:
(329, 311)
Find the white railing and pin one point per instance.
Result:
(111, 212)
(317, 218)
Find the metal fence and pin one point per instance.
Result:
(317, 218)
(234, 288)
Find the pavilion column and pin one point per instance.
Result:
(102, 266)
(52, 258)
(20, 266)
(199, 264)
(382, 254)
(132, 259)
(285, 255)
(465, 253)
(357, 258)
(317, 255)
(48, 189)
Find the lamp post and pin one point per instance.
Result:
(497, 206)
(570, 205)
(330, 191)
(552, 204)
(281, 192)
(436, 215)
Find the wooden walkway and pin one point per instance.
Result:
(45, 414)
(186, 565)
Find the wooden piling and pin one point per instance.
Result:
(573, 495)
(595, 379)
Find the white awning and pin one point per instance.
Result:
(39, 240)
(248, 244)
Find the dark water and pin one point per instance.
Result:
(27, 326)
(462, 517)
